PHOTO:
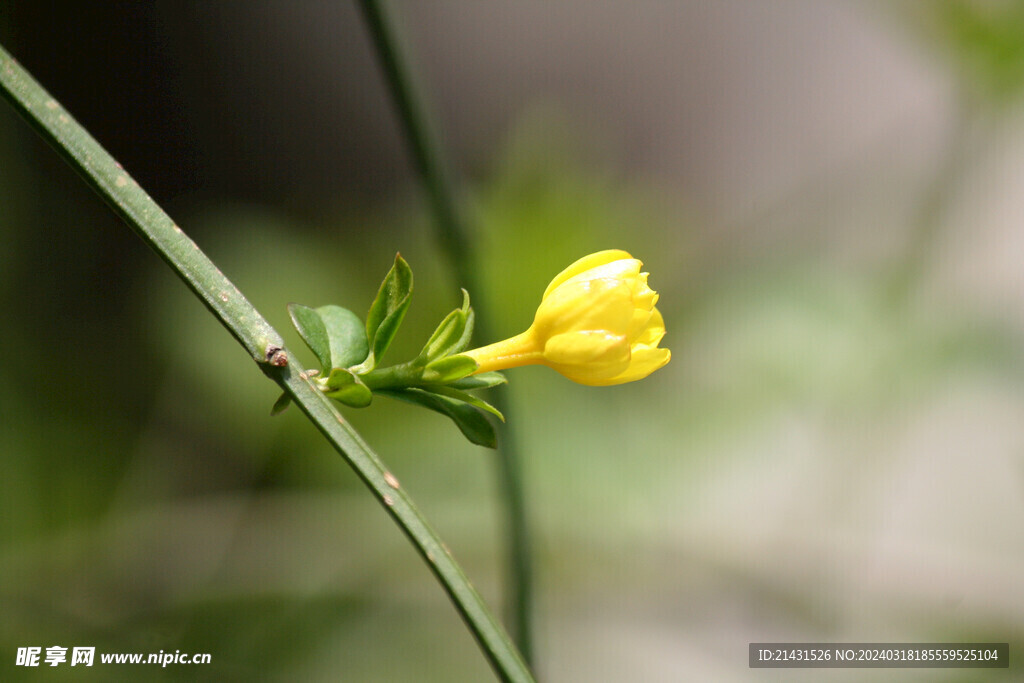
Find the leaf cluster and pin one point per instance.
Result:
(438, 378)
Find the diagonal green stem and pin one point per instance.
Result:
(260, 340)
(453, 234)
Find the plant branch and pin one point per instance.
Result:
(454, 236)
(259, 339)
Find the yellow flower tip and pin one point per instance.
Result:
(596, 324)
(586, 263)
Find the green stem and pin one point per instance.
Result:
(452, 232)
(393, 377)
(260, 340)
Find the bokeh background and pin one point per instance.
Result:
(829, 197)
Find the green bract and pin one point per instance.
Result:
(438, 378)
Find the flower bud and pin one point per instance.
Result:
(596, 324)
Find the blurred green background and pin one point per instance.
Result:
(828, 196)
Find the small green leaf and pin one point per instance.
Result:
(346, 387)
(313, 331)
(470, 421)
(282, 402)
(445, 336)
(388, 309)
(452, 335)
(449, 369)
(347, 336)
(466, 398)
(482, 381)
(467, 330)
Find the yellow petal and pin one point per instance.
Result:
(605, 304)
(641, 321)
(587, 346)
(653, 332)
(594, 375)
(643, 295)
(645, 360)
(626, 270)
(586, 263)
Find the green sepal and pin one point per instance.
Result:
(470, 421)
(387, 310)
(472, 400)
(347, 336)
(345, 386)
(282, 402)
(313, 331)
(449, 369)
(467, 331)
(484, 380)
(445, 336)
(452, 335)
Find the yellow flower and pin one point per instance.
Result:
(596, 324)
